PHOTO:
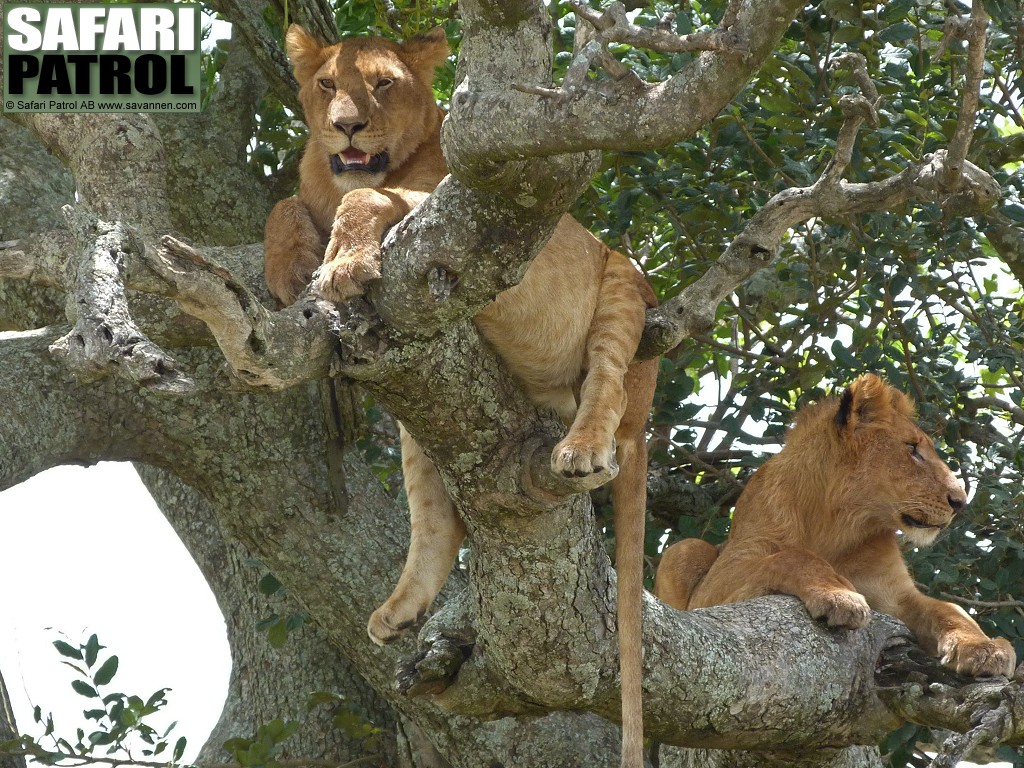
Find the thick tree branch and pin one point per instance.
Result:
(488, 124)
(263, 348)
(117, 159)
(105, 338)
(38, 258)
(207, 159)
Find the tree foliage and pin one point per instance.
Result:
(925, 292)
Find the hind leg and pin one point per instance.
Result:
(437, 534)
(614, 335)
(681, 569)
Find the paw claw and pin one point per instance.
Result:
(577, 459)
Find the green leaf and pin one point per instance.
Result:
(917, 117)
(101, 737)
(65, 649)
(278, 634)
(179, 749)
(83, 688)
(903, 30)
(269, 585)
(92, 649)
(236, 745)
(106, 672)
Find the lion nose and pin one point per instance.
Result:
(956, 502)
(349, 129)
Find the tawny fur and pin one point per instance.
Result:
(820, 521)
(568, 331)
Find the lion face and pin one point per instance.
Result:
(368, 101)
(898, 476)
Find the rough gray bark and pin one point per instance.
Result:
(521, 658)
(8, 729)
(266, 683)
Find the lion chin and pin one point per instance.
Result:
(824, 520)
(918, 532)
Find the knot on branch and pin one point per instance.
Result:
(971, 192)
(13, 263)
(858, 67)
(859, 107)
(433, 668)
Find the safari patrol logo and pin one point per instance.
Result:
(101, 58)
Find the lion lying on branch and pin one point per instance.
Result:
(820, 521)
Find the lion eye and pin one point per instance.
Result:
(914, 452)
(384, 83)
(327, 85)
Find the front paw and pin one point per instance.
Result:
(342, 278)
(350, 262)
(391, 620)
(840, 608)
(980, 658)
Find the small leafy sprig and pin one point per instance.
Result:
(121, 736)
(120, 719)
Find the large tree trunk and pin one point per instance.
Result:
(268, 683)
(8, 729)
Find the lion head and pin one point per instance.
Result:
(368, 101)
(887, 472)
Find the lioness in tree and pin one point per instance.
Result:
(568, 331)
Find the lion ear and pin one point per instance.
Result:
(866, 400)
(425, 53)
(306, 53)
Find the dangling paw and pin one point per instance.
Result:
(391, 620)
(576, 458)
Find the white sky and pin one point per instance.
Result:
(87, 551)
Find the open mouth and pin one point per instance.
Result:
(912, 522)
(353, 159)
